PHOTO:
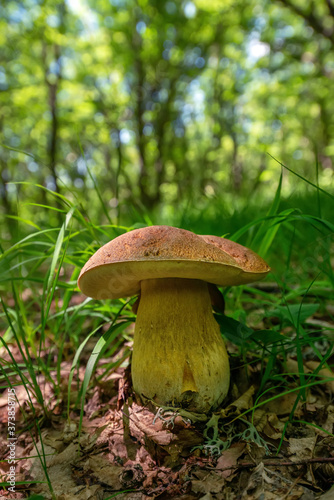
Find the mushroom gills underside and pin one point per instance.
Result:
(179, 357)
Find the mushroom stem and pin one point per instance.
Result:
(179, 357)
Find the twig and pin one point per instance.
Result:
(273, 463)
(292, 486)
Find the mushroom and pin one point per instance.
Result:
(179, 356)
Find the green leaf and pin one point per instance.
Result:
(294, 313)
(239, 333)
(232, 329)
(267, 337)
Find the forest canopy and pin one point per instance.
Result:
(164, 105)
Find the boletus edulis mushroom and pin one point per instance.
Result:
(179, 357)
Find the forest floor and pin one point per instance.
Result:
(279, 448)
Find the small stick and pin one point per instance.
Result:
(268, 463)
(292, 486)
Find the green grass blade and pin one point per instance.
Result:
(74, 364)
(98, 350)
(57, 249)
(267, 232)
(25, 221)
(303, 178)
(40, 186)
(102, 203)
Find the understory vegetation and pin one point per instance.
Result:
(211, 116)
(63, 353)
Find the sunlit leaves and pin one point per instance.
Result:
(191, 97)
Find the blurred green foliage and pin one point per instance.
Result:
(164, 109)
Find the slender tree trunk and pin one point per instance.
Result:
(53, 82)
(143, 181)
(118, 173)
(115, 174)
(317, 21)
(53, 142)
(236, 165)
(5, 199)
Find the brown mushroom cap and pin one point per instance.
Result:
(118, 267)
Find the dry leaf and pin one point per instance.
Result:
(242, 403)
(310, 367)
(99, 469)
(269, 424)
(324, 372)
(329, 495)
(229, 458)
(207, 482)
(282, 406)
(301, 448)
(255, 488)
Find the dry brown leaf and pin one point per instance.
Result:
(268, 423)
(207, 482)
(208, 496)
(301, 448)
(255, 488)
(99, 469)
(283, 405)
(165, 444)
(242, 403)
(229, 458)
(267, 484)
(328, 425)
(59, 471)
(324, 372)
(329, 495)
(310, 367)
(142, 427)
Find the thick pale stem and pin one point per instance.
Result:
(179, 357)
